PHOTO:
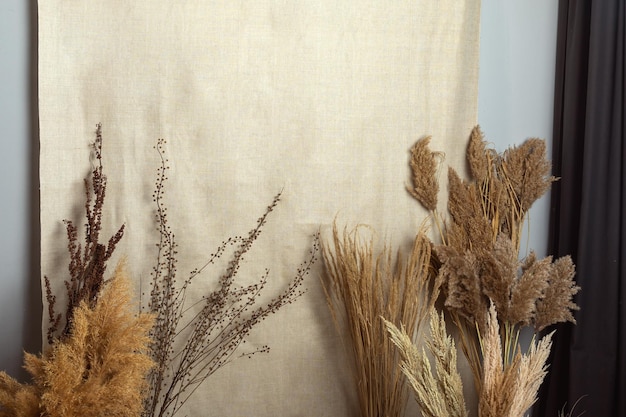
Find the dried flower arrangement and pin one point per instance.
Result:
(97, 358)
(107, 360)
(360, 288)
(87, 264)
(488, 293)
(189, 349)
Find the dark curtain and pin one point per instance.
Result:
(588, 207)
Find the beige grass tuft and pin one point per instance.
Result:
(361, 288)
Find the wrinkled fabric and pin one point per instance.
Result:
(320, 99)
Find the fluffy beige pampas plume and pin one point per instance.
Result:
(510, 389)
(425, 187)
(98, 370)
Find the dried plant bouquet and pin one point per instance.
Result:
(488, 292)
(96, 360)
(188, 346)
(361, 287)
(102, 360)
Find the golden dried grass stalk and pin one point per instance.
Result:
(439, 394)
(532, 371)
(360, 289)
(98, 370)
(443, 349)
(490, 396)
(18, 400)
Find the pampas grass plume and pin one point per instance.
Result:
(509, 390)
(477, 159)
(98, 370)
(424, 165)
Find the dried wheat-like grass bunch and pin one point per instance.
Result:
(510, 389)
(98, 370)
(189, 346)
(439, 394)
(361, 288)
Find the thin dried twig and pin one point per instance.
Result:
(189, 348)
(87, 263)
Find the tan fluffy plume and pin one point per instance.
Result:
(423, 162)
(98, 370)
(510, 389)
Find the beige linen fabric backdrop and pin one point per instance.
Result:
(321, 99)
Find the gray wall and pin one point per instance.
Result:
(20, 294)
(515, 102)
(516, 84)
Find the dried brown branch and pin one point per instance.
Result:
(87, 263)
(189, 348)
